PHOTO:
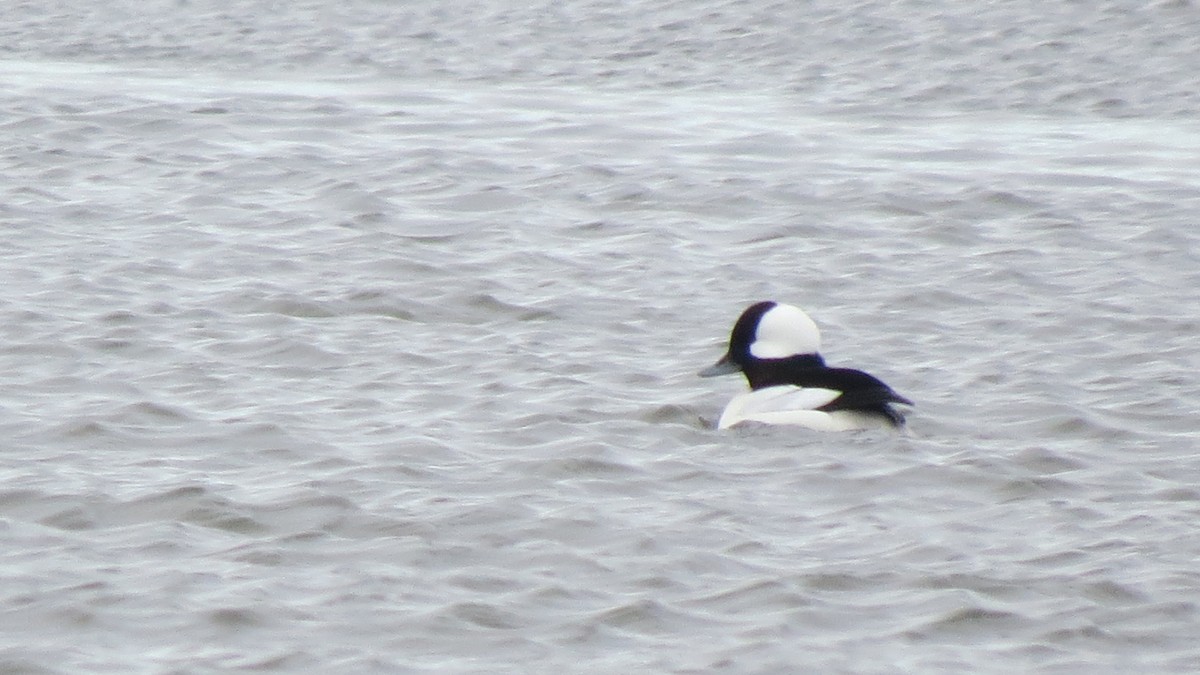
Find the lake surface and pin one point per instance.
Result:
(362, 336)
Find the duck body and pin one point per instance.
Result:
(776, 346)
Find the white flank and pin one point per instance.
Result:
(789, 404)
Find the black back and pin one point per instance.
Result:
(861, 391)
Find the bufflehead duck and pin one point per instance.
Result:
(776, 347)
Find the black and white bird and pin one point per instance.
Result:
(777, 347)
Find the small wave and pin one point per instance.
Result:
(967, 621)
(645, 616)
(675, 414)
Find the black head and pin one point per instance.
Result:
(766, 337)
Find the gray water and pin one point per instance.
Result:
(361, 337)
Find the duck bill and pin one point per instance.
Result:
(723, 367)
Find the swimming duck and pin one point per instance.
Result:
(777, 348)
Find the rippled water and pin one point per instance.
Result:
(362, 337)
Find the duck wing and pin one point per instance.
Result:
(781, 404)
(855, 388)
(858, 391)
(789, 397)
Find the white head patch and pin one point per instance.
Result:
(785, 331)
